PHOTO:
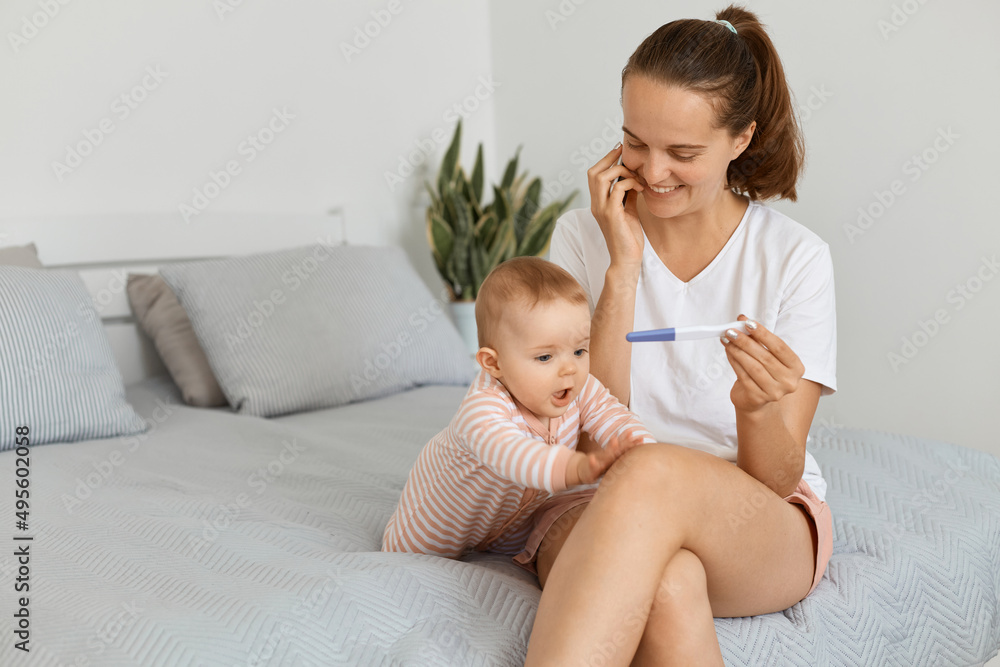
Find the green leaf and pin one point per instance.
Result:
(508, 175)
(458, 260)
(528, 207)
(468, 236)
(501, 204)
(504, 246)
(450, 161)
(450, 275)
(456, 207)
(448, 208)
(517, 188)
(441, 239)
(478, 267)
(462, 247)
(477, 176)
(465, 187)
(486, 228)
(539, 232)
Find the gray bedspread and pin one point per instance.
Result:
(218, 539)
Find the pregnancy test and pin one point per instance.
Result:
(681, 333)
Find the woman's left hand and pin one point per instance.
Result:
(766, 368)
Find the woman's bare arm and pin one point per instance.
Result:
(610, 353)
(774, 407)
(772, 441)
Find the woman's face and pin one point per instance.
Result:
(671, 145)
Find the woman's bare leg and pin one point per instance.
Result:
(680, 629)
(755, 548)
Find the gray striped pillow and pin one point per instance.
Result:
(59, 377)
(318, 326)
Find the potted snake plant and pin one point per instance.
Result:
(469, 237)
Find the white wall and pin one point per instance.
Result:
(557, 93)
(356, 116)
(886, 99)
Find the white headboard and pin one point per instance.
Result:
(105, 249)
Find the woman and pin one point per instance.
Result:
(676, 534)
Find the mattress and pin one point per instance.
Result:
(220, 539)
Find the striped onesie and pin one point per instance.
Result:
(476, 484)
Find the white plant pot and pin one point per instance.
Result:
(463, 314)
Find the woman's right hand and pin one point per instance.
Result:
(620, 225)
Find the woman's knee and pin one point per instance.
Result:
(680, 623)
(683, 584)
(656, 468)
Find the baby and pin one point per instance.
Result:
(512, 443)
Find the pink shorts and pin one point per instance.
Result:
(816, 510)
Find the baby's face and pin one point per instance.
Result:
(544, 355)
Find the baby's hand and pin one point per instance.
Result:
(588, 468)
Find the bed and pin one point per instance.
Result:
(219, 537)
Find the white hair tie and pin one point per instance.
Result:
(726, 23)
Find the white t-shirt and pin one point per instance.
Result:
(772, 269)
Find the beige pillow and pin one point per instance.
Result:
(25, 255)
(164, 320)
